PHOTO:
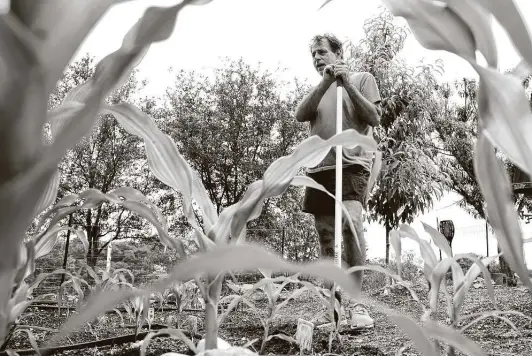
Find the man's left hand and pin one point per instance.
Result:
(341, 71)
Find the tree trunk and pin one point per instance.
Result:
(388, 229)
(94, 244)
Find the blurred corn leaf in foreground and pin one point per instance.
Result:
(37, 41)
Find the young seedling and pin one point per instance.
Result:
(272, 288)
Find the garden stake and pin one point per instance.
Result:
(338, 191)
(338, 187)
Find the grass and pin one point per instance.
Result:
(495, 337)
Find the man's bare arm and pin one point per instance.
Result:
(306, 110)
(368, 111)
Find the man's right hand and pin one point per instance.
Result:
(328, 74)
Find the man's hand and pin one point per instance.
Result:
(341, 71)
(328, 74)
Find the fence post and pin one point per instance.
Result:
(65, 258)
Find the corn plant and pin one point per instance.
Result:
(21, 297)
(272, 288)
(177, 291)
(138, 310)
(109, 280)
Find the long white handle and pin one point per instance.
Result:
(338, 207)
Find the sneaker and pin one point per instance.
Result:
(360, 318)
(324, 320)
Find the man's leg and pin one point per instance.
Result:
(325, 228)
(354, 254)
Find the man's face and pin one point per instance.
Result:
(322, 55)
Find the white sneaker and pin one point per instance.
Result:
(360, 318)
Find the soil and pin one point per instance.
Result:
(495, 337)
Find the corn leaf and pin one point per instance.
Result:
(439, 239)
(495, 186)
(279, 288)
(478, 19)
(458, 276)
(166, 163)
(155, 25)
(436, 27)
(280, 174)
(408, 231)
(395, 241)
(48, 195)
(427, 253)
(27, 261)
(325, 3)
(293, 295)
(508, 15)
(93, 274)
(61, 26)
(472, 273)
(46, 241)
(226, 258)
(506, 119)
(486, 314)
(452, 337)
(416, 334)
(21, 82)
(174, 333)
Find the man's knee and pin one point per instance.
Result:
(324, 224)
(325, 229)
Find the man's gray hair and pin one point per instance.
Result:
(334, 42)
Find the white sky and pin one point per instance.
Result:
(276, 33)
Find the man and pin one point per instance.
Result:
(361, 111)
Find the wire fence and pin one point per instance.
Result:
(295, 244)
(292, 243)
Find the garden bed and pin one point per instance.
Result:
(242, 326)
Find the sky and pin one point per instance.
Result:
(276, 33)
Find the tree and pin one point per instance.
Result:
(230, 125)
(409, 180)
(456, 135)
(105, 159)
